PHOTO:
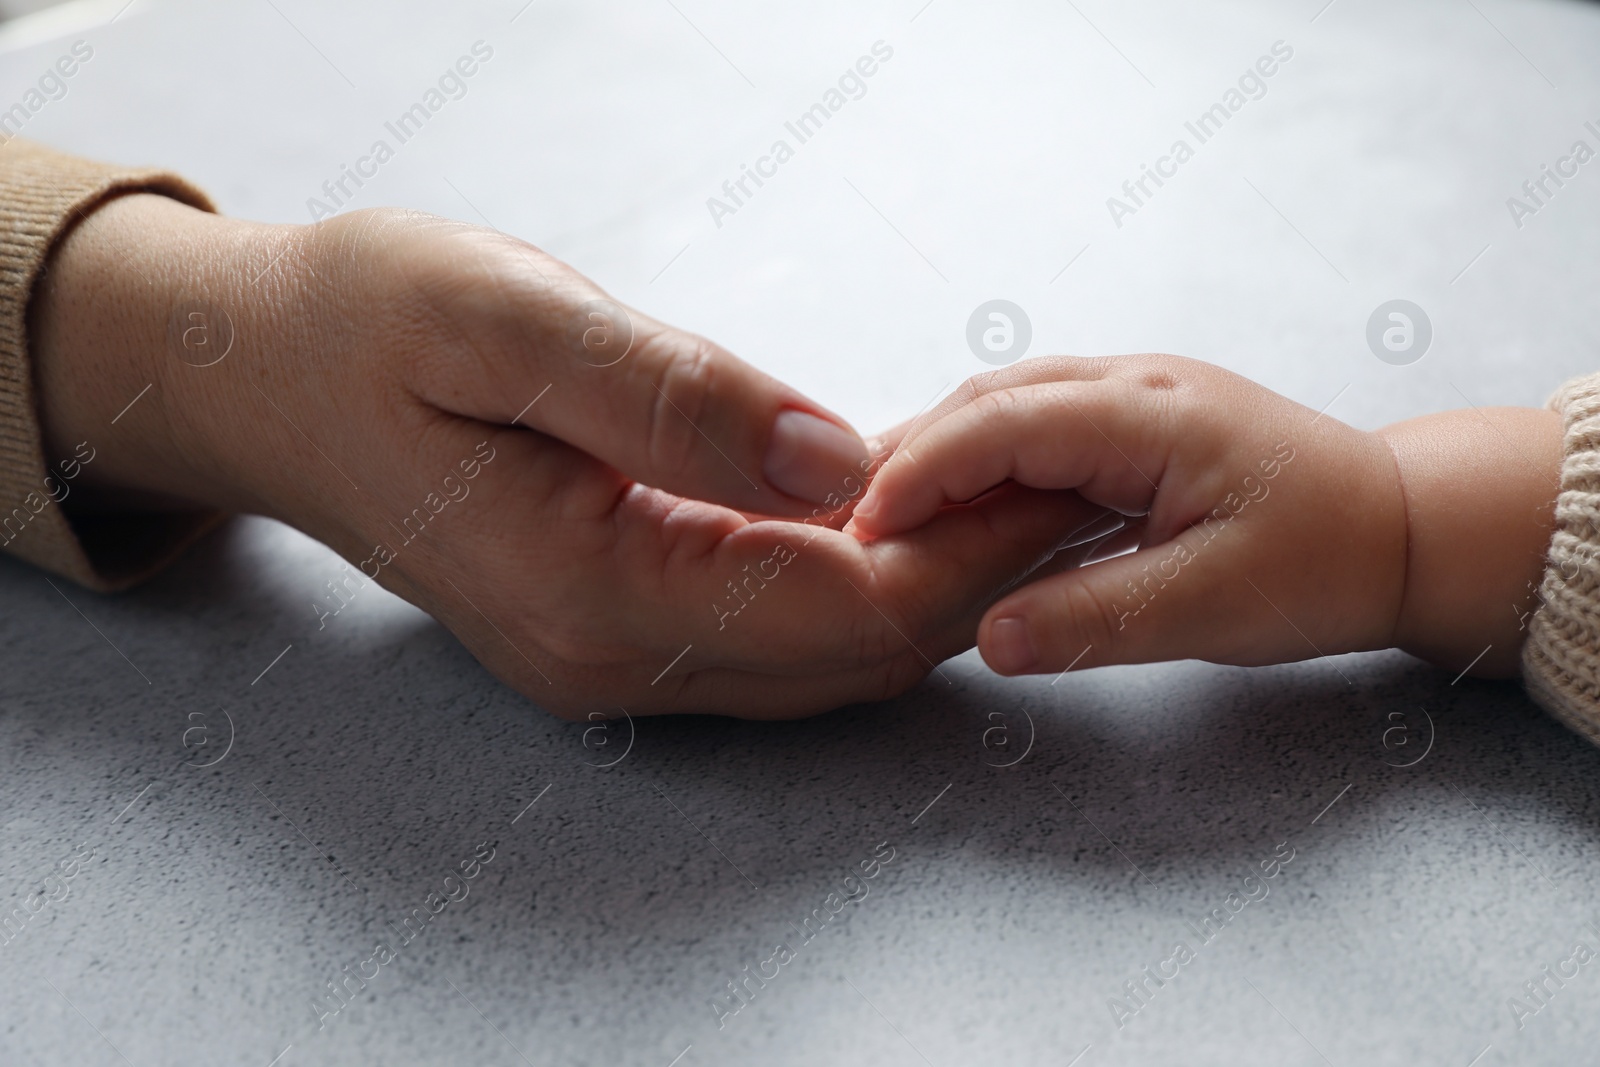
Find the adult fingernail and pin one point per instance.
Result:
(813, 458)
(1010, 647)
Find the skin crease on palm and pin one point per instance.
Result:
(1428, 535)
(375, 352)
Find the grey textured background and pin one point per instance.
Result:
(375, 754)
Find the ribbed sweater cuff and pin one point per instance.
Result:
(1561, 658)
(42, 194)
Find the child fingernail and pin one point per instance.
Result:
(1010, 646)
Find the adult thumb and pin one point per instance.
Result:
(680, 413)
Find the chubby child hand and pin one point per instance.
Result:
(1262, 532)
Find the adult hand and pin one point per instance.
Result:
(601, 507)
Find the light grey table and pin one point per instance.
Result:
(1049, 840)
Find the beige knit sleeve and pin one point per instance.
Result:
(1561, 658)
(42, 193)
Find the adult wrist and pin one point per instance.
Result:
(137, 302)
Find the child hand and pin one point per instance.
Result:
(1265, 532)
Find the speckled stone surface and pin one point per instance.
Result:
(247, 804)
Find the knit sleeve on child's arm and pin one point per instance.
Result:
(1561, 658)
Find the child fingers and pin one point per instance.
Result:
(1159, 603)
(1097, 437)
(1027, 372)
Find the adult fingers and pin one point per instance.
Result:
(665, 407)
(749, 694)
(780, 597)
(754, 694)
(881, 446)
(759, 695)
(838, 509)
